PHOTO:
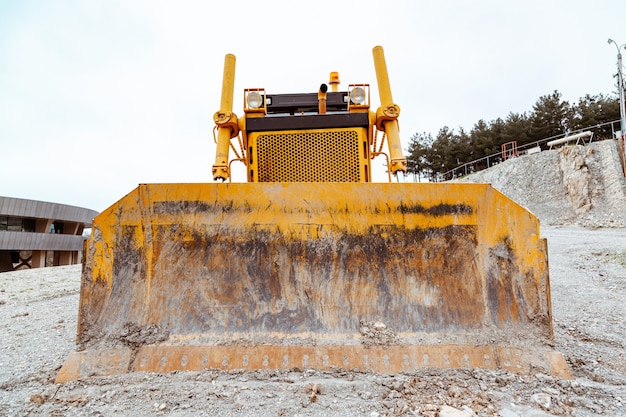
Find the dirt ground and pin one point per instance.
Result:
(579, 194)
(38, 311)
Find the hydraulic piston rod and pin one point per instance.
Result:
(225, 120)
(388, 112)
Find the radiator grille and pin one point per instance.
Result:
(308, 156)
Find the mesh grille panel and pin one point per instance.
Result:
(311, 156)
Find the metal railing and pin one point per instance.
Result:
(496, 158)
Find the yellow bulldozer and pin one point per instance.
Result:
(310, 264)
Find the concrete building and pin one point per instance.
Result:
(36, 234)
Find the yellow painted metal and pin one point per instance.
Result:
(289, 269)
(321, 99)
(296, 266)
(225, 120)
(387, 114)
(228, 83)
(382, 76)
(334, 81)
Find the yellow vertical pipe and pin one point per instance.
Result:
(382, 77)
(334, 81)
(220, 168)
(228, 83)
(321, 99)
(392, 130)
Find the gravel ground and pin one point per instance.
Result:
(573, 185)
(38, 312)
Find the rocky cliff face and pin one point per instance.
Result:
(576, 184)
(576, 177)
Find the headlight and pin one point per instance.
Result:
(254, 100)
(357, 95)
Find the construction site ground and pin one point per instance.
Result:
(577, 192)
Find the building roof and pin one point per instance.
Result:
(19, 207)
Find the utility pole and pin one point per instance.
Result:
(622, 110)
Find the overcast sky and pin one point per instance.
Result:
(99, 96)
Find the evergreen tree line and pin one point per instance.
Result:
(551, 116)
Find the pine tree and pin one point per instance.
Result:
(551, 117)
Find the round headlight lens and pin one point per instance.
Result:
(254, 99)
(357, 95)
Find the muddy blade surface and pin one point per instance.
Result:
(387, 277)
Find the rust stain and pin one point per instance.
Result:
(388, 360)
(258, 262)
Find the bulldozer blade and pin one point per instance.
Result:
(380, 277)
